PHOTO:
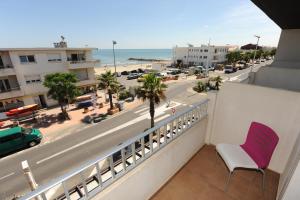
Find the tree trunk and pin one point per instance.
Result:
(64, 112)
(110, 99)
(152, 111)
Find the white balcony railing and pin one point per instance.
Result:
(122, 158)
(78, 64)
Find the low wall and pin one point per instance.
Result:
(278, 77)
(146, 179)
(238, 105)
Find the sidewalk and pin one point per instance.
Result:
(52, 128)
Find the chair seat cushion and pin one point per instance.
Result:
(235, 157)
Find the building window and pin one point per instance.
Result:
(27, 59)
(32, 79)
(205, 50)
(204, 57)
(54, 57)
(201, 50)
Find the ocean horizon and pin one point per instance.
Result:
(122, 55)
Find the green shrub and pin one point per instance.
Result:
(200, 87)
(124, 95)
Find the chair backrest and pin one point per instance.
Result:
(260, 144)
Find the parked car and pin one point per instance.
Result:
(140, 70)
(132, 76)
(17, 138)
(124, 73)
(134, 71)
(229, 69)
(257, 62)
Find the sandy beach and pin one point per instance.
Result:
(120, 68)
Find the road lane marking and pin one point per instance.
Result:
(159, 111)
(162, 117)
(6, 176)
(141, 110)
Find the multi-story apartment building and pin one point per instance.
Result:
(205, 55)
(22, 71)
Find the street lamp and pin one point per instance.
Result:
(258, 37)
(114, 43)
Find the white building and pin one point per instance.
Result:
(203, 55)
(22, 71)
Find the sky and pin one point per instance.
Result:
(134, 23)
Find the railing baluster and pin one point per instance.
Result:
(171, 130)
(111, 165)
(133, 153)
(86, 193)
(165, 129)
(99, 178)
(158, 135)
(177, 124)
(66, 191)
(151, 142)
(143, 147)
(123, 159)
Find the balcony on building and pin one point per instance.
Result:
(6, 67)
(9, 87)
(81, 59)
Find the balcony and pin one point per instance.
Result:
(7, 71)
(86, 82)
(79, 64)
(11, 93)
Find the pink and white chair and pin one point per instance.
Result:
(255, 153)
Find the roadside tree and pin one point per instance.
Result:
(108, 82)
(62, 88)
(153, 90)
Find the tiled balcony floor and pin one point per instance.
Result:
(203, 178)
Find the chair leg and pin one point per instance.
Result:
(228, 180)
(263, 178)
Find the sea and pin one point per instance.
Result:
(122, 55)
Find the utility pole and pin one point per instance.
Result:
(258, 37)
(114, 43)
(206, 71)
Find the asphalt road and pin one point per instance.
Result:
(56, 158)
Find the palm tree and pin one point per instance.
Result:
(108, 81)
(62, 88)
(153, 90)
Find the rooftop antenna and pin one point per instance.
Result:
(62, 38)
(190, 45)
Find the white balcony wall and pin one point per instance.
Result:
(149, 176)
(237, 105)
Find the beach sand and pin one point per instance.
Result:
(120, 68)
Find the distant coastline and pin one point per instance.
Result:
(147, 59)
(132, 56)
